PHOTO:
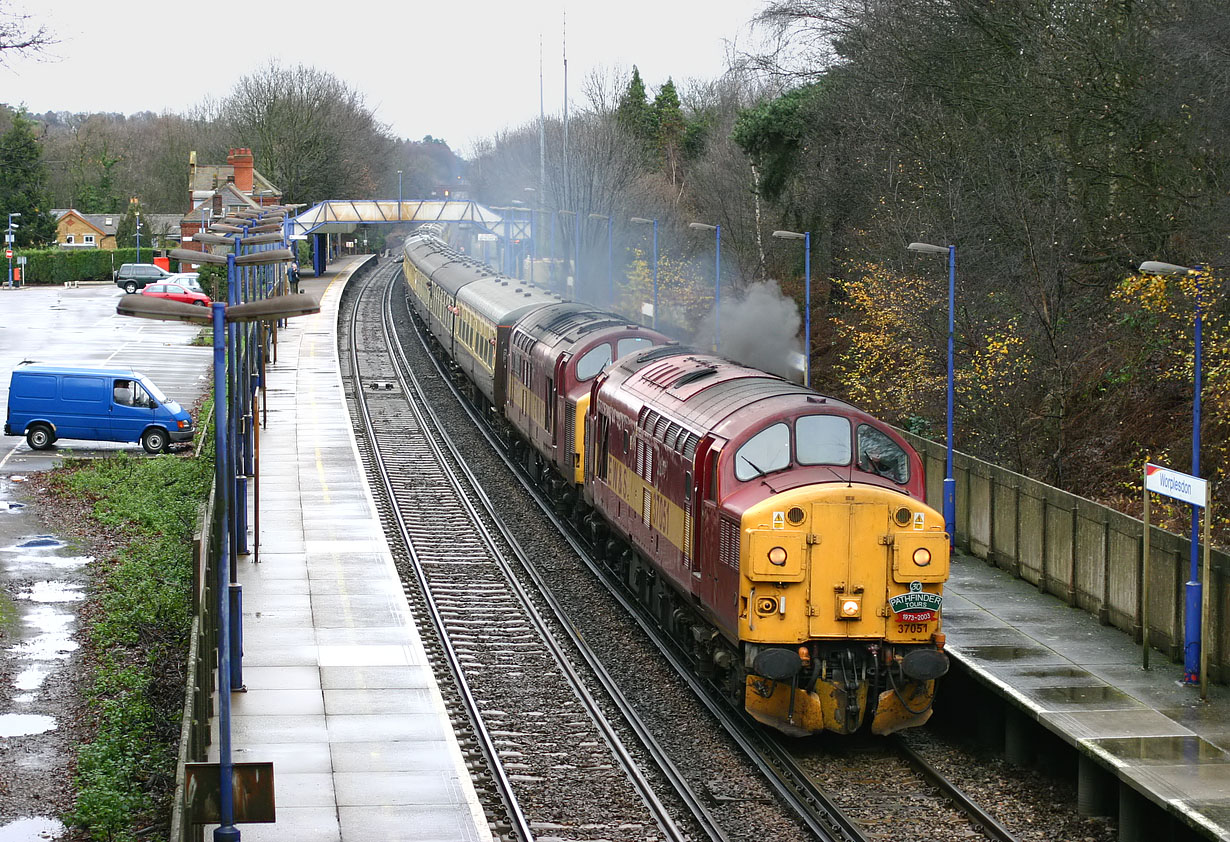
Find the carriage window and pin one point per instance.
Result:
(768, 450)
(822, 440)
(879, 454)
(592, 363)
(631, 344)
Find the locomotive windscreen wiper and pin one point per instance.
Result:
(759, 471)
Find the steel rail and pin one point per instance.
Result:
(516, 814)
(985, 821)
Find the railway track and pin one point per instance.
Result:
(550, 753)
(793, 773)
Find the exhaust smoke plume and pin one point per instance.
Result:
(760, 327)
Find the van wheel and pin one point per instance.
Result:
(130, 287)
(154, 440)
(39, 437)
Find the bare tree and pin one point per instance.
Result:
(20, 34)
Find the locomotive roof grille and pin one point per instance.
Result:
(693, 376)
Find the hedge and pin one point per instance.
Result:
(55, 266)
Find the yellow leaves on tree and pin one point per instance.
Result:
(894, 360)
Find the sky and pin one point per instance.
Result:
(460, 71)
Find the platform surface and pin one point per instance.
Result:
(1085, 682)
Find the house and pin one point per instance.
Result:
(215, 190)
(76, 230)
(85, 230)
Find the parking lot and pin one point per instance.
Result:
(80, 327)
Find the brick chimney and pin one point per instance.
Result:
(241, 160)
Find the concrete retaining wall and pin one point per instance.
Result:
(1086, 554)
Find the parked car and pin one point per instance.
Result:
(97, 404)
(178, 290)
(134, 276)
(192, 280)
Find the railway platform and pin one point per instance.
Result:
(338, 692)
(1141, 736)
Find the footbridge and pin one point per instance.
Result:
(344, 216)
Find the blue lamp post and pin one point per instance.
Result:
(950, 484)
(399, 195)
(1194, 590)
(643, 221)
(806, 238)
(717, 281)
(9, 242)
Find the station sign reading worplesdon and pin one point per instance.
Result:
(1185, 487)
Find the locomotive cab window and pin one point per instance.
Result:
(593, 362)
(767, 451)
(822, 440)
(879, 454)
(630, 344)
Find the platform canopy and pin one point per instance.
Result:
(345, 215)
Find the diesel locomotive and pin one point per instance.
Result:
(779, 535)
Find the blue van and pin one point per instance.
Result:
(97, 404)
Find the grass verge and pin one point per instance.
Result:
(136, 630)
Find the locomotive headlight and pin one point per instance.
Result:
(777, 556)
(850, 608)
(922, 556)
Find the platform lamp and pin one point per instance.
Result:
(806, 238)
(640, 220)
(9, 242)
(950, 483)
(1194, 589)
(717, 281)
(268, 309)
(138, 215)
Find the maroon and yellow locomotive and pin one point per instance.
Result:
(781, 535)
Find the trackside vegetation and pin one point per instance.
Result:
(136, 631)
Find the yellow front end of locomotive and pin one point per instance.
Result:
(837, 569)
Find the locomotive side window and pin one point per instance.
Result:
(768, 450)
(632, 343)
(822, 440)
(593, 362)
(879, 454)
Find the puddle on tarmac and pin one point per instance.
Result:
(53, 591)
(25, 724)
(40, 542)
(1164, 750)
(1056, 672)
(30, 829)
(1097, 694)
(1007, 653)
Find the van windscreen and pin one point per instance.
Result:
(153, 390)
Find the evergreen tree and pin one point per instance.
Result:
(126, 229)
(634, 113)
(23, 184)
(669, 129)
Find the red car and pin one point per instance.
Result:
(177, 292)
